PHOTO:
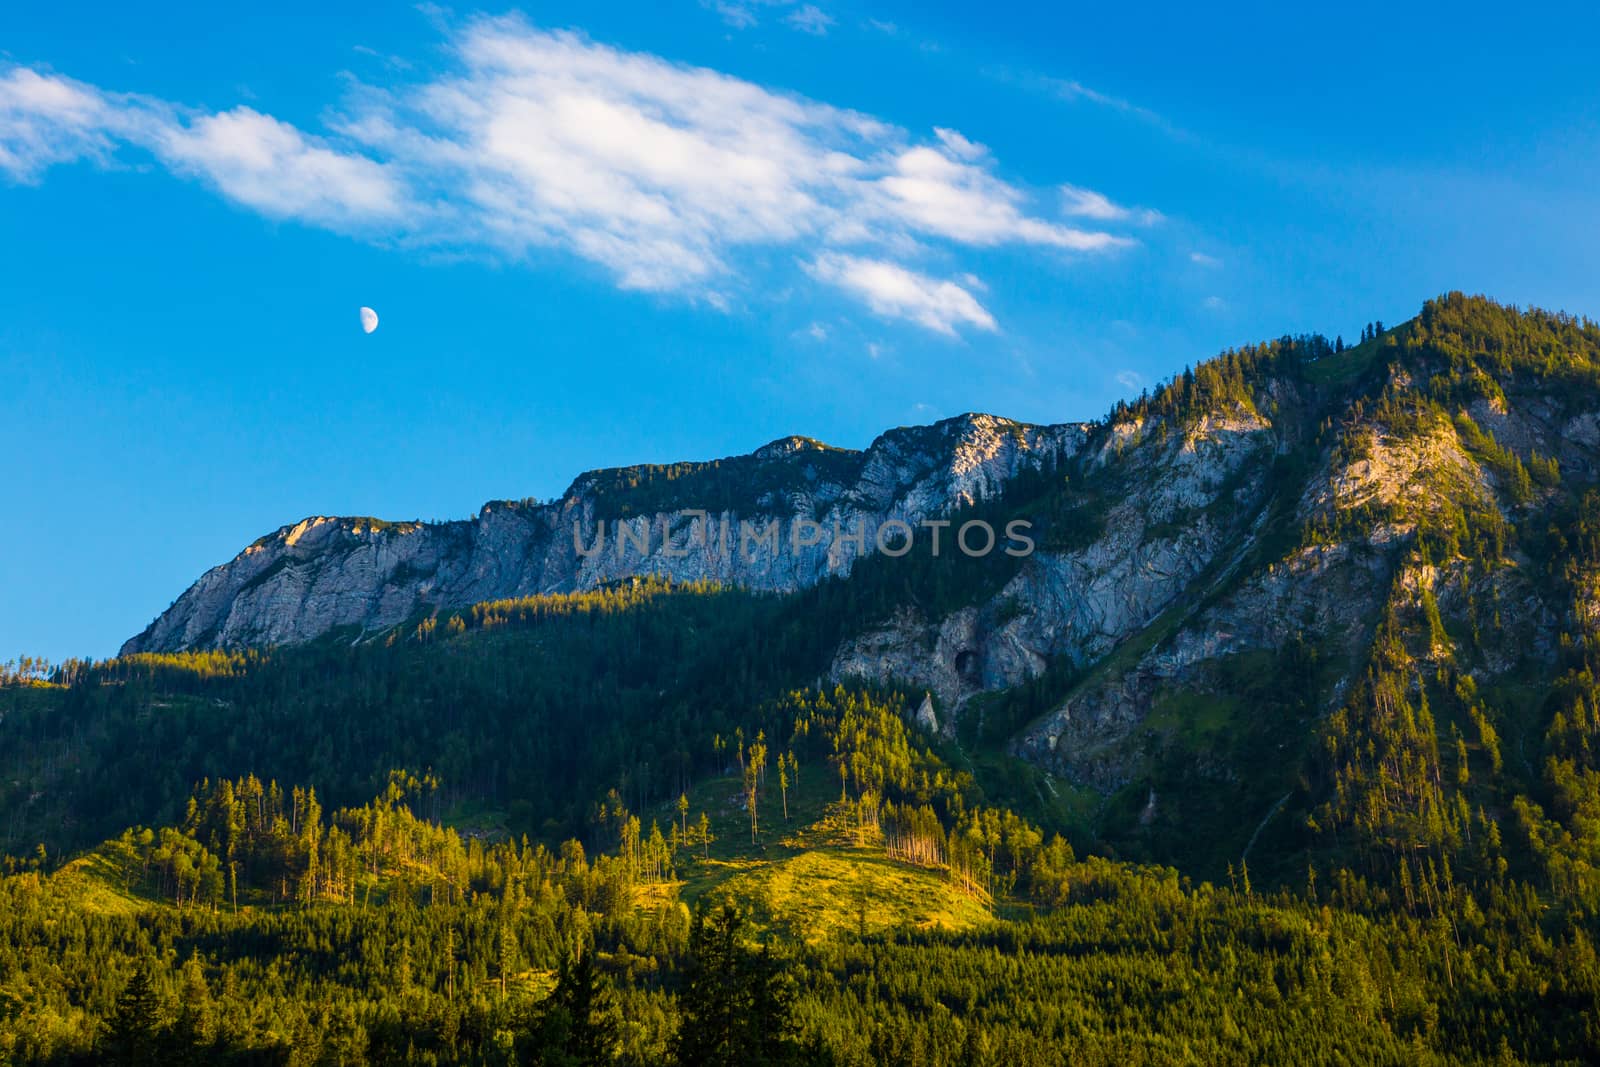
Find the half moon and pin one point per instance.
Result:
(369, 320)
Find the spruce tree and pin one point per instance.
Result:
(579, 1026)
(134, 1031)
(736, 1005)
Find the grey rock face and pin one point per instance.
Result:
(783, 518)
(1332, 594)
(1080, 603)
(1332, 590)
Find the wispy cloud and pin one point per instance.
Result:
(272, 167)
(394, 62)
(950, 192)
(1088, 204)
(808, 18)
(672, 178)
(1069, 90)
(893, 291)
(46, 120)
(1200, 259)
(1072, 91)
(743, 14)
(249, 157)
(1129, 379)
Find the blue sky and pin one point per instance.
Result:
(603, 234)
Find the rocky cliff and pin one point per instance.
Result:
(779, 519)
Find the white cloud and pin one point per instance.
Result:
(251, 158)
(672, 178)
(1203, 260)
(1129, 380)
(939, 194)
(272, 167)
(893, 291)
(808, 18)
(1214, 303)
(393, 62)
(817, 331)
(1073, 91)
(1088, 204)
(46, 120)
(743, 14)
(959, 146)
(655, 170)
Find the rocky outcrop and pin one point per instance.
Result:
(1321, 592)
(780, 519)
(1196, 491)
(1370, 489)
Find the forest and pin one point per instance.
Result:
(264, 928)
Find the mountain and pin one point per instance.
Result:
(1283, 741)
(321, 573)
(1263, 507)
(1210, 570)
(1256, 518)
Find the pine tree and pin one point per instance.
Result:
(134, 1031)
(783, 784)
(736, 1005)
(580, 1021)
(195, 1025)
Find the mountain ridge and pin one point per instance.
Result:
(322, 572)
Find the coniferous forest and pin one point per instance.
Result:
(649, 823)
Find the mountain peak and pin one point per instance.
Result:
(794, 443)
